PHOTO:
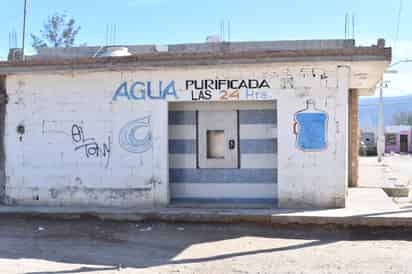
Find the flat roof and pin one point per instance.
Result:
(207, 54)
(208, 47)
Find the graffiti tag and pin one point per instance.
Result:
(90, 147)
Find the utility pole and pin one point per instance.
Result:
(381, 137)
(381, 126)
(24, 28)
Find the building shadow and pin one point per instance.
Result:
(189, 261)
(385, 213)
(77, 270)
(100, 245)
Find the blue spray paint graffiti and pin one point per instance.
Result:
(142, 90)
(136, 136)
(310, 128)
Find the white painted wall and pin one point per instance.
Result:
(314, 179)
(42, 166)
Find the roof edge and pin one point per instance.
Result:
(209, 58)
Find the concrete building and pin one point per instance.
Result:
(219, 124)
(398, 139)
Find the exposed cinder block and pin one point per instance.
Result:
(96, 51)
(101, 138)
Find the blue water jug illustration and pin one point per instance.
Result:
(310, 128)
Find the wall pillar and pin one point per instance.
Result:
(3, 102)
(354, 137)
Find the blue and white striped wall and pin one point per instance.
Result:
(255, 182)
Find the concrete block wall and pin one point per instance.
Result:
(68, 144)
(315, 179)
(101, 138)
(82, 52)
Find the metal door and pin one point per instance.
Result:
(218, 139)
(404, 143)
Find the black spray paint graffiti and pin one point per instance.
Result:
(136, 136)
(90, 145)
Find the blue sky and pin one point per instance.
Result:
(179, 21)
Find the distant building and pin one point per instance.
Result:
(398, 139)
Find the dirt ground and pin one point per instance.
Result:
(33, 246)
(394, 170)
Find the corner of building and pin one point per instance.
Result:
(3, 102)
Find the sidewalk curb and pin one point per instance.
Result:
(210, 216)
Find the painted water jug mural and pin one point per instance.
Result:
(310, 127)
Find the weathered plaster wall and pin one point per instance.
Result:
(315, 179)
(69, 153)
(100, 138)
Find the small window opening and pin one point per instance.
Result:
(215, 144)
(390, 139)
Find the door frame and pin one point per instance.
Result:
(216, 106)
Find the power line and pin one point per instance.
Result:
(398, 23)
